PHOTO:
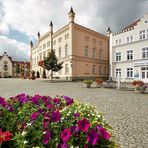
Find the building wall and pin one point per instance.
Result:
(136, 45)
(83, 65)
(8, 72)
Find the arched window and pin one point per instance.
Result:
(93, 52)
(66, 69)
(100, 69)
(66, 50)
(86, 51)
(105, 70)
(100, 53)
(59, 52)
(93, 69)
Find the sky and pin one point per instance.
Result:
(20, 20)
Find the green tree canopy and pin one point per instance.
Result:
(51, 63)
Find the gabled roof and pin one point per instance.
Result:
(131, 25)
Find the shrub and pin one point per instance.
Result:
(33, 75)
(138, 83)
(88, 81)
(37, 74)
(44, 74)
(99, 81)
(42, 121)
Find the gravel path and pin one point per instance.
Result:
(126, 111)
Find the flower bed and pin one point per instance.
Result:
(42, 121)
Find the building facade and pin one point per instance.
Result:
(129, 52)
(10, 68)
(84, 52)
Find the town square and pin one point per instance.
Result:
(72, 77)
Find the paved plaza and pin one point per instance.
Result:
(126, 111)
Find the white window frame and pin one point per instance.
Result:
(129, 72)
(118, 70)
(94, 52)
(86, 51)
(129, 53)
(118, 56)
(142, 34)
(146, 52)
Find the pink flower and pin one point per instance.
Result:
(3, 102)
(46, 137)
(65, 135)
(83, 125)
(56, 100)
(103, 132)
(34, 115)
(92, 137)
(56, 116)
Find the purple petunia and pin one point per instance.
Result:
(34, 115)
(69, 100)
(22, 98)
(3, 102)
(55, 116)
(65, 135)
(103, 133)
(46, 137)
(56, 100)
(93, 137)
(76, 115)
(83, 125)
(64, 145)
(35, 99)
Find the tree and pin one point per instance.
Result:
(18, 69)
(51, 63)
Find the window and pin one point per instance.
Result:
(119, 41)
(100, 43)
(100, 69)
(44, 46)
(66, 69)
(44, 54)
(118, 72)
(86, 38)
(127, 39)
(54, 42)
(116, 42)
(94, 41)
(86, 51)
(48, 43)
(129, 72)
(144, 73)
(93, 69)
(131, 39)
(142, 34)
(145, 52)
(100, 53)
(105, 70)
(129, 54)
(59, 52)
(66, 50)
(60, 39)
(66, 36)
(40, 56)
(93, 52)
(40, 48)
(118, 56)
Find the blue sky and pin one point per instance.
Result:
(20, 20)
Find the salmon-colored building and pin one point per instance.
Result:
(84, 52)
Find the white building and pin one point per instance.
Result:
(129, 52)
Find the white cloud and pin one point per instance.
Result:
(31, 16)
(15, 49)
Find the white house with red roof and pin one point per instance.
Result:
(129, 52)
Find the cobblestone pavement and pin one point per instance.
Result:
(126, 111)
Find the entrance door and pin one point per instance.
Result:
(144, 74)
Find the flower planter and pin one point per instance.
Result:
(140, 89)
(87, 85)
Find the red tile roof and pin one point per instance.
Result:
(131, 25)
